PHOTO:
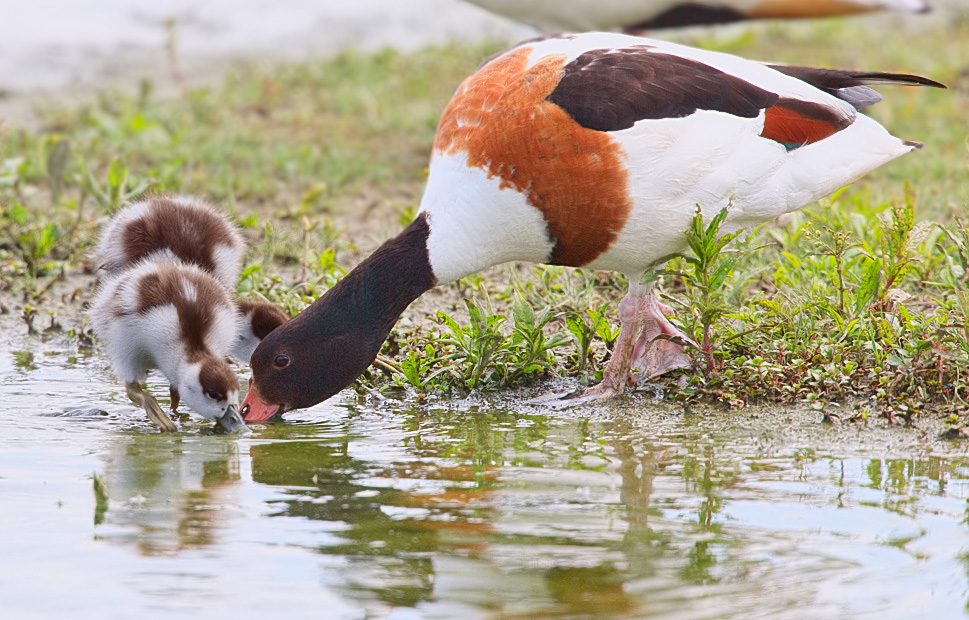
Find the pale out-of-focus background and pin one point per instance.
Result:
(55, 49)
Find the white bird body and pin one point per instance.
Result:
(668, 166)
(588, 15)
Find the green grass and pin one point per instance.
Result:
(861, 298)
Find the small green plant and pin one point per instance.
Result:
(34, 240)
(475, 345)
(900, 237)
(957, 258)
(420, 369)
(58, 150)
(483, 352)
(116, 191)
(835, 244)
(709, 265)
(583, 332)
(529, 348)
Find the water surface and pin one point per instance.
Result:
(396, 510)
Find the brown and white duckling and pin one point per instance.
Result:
(176, 318)
(180, 227)
(192, 231)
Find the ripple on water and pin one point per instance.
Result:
(402, 511)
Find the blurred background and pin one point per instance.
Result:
(56, 49)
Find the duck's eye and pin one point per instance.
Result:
(281, 361)
(212, 394)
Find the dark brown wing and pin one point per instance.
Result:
(610, 90)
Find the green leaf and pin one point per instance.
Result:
(576, 326)
(17, 213)
(524, 315)
(869, 285)
(56, 166)
(452, 326)
(117, 174)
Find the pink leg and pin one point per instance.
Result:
(617, 370)
(642, 321)
(660, 348)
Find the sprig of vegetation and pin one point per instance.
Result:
(482, 352)
(709, 265)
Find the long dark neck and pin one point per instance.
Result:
(333, 341)
(370, 299)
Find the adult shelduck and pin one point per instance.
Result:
(590, 150)
(639, 15)
(179, 319)
(190, 230)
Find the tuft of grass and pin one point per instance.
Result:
(482, 353)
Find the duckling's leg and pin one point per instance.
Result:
(174, 394)
(147, 402)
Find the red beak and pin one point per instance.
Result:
(253, 408)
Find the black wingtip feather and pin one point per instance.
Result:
(833, 79)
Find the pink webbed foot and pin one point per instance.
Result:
(662, 347)
(647, 341)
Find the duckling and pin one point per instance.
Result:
(192, 231)
(180, 227)
(259, 318)
(179, 319)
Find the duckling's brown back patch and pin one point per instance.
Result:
(195, 296)
(190, 232)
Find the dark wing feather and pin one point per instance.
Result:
(609, 90)
(852, 86)
(689, 14)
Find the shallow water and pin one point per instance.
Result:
(395, 511)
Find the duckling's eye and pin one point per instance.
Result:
(281, 361)
(212, 394)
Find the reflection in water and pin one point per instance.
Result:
(169, 492)
(568, 518)
(459, 513)
(392, 517)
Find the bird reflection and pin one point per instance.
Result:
(391, 517)
(168, 493)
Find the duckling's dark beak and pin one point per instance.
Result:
(255, 409)
(232, 421)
